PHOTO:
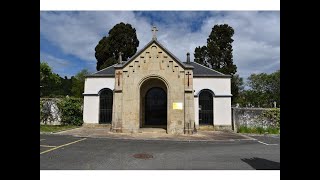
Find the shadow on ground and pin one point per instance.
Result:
(262, 164)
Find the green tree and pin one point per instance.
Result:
(49, 81)
(217, 54)
(78, 83)
(122, 38)
(264, 89)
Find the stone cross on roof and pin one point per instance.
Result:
(154, 31)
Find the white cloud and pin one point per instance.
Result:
(256, 39)
(58, 65)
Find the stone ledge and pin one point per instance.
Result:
(93, 125)
(215, 127)
(222, 127)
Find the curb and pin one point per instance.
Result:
(268, 135)
(173, 140)
(57, 132)
(244, 135)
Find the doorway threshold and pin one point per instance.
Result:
(153, 129)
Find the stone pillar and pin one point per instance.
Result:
(117, 103)
(189, 112)
(189, 103)
(117, 112)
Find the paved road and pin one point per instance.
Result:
(68, 153)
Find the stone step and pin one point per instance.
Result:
(152, 130)
(206, 128)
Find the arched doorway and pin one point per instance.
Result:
(153, 104)
(105, 110)
(205, 108)
(156, 107)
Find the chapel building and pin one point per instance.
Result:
(154, 89)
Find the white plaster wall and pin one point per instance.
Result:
(91, 109)
(222, 111)
(196, 111)
(220, 86)
(91, 103)
(94, 85)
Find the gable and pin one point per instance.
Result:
(153, 58)
(155, 47)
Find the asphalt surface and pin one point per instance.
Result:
(61, 152)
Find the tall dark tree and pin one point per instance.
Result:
(66, 86)
(122, 38)
(217, 54)
(200, 55)
(219, 49)
(237, 86)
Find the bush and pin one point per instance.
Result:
(71, 111)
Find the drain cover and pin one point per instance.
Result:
(143, 156)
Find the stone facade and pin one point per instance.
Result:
(153, 67)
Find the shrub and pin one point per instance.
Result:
(258, 130)
(71, 111)
(273, 130)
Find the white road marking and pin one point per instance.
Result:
(268, 144)
(42, 139)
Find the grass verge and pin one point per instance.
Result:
(258, 130)
(55, 128)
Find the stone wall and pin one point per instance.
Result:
(250, 117)
(49, 112)
(71, 112)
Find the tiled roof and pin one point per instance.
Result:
(203, 71)
(198, 69)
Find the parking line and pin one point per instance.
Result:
(62, 146)
(46, 146)
(42, 139)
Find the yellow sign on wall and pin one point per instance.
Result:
(177, 105)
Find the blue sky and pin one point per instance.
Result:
(68, 38)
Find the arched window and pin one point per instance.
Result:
(106, 101)
(205, 108)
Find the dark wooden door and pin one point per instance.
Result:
(206, 108)
(156, 107)
(106, 101)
